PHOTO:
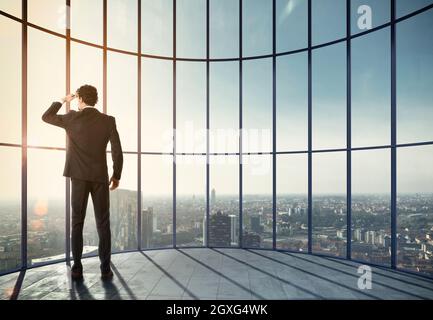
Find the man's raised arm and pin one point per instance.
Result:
(50, 116)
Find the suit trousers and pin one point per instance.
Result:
(101, 203)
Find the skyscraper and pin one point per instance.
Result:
(213, 198)
(219, 230)
(234, 230)
(147, 227)
(255, 224)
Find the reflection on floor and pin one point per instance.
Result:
(204, 273)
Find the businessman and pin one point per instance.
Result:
(88, 132)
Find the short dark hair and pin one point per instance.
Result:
(88, 94)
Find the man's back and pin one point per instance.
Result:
(88, 132)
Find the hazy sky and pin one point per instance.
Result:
(370, 93)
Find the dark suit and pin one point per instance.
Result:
(88, 133)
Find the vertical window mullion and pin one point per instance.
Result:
(24, 137)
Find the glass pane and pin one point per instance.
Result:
(10, 209)
(157, 105)
(371, 200)
(90, 233)
(122, 24)
(191, 28)
(224, 28)
(46, 205)
(86, 68)
(329, 97)
(329, 203)
(123, 206)
(328, 20)
(292, 24)
(414, 203)
(191, 107)
(368, 14)
(12, 7)
(257, 106)
(371, 89)
(86, 20)
(292, 202)
(46, 84)
(157, 27)
(10, 80)
(405, 7)
(157, 201)
(50, 14)
(122, 96)
(224, 201)
(257, 201)
(190, 200)
(257, 27)
(415, 79)
(224, 107)
(292, 102)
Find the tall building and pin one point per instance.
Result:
(213, 198)
(147, 227)
(123, 207)
(255, 223)
(219, 230)
(251, 240)
(234, 229)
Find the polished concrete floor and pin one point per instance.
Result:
(204, 273)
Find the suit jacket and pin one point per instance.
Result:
(88, 132)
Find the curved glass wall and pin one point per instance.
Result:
(297, 125)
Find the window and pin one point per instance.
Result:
(371, 212)
(224, 107)
(414, 203)
(329, 97)
(49, 14)
(292, 24)
(157, 27)
(328, 20)
(46, 84)
(257, 106)
(12, 7)
(257, 27)
(415, 79)
(157, 201)
(292, 102)
(191, 28)
(257, 201)
(224, 28)
(122, 24)
(10, 81)
(122, 97)
(46, 205)
(405, 7)
(369, 14)
(329, 203)
(292, 202)
(10, 209)
(371, 94)
(224, 201)
(86, 20)
(190, 200)
(86, 68)
(156, 105)
(191, 107)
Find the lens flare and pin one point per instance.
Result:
(41, 208)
